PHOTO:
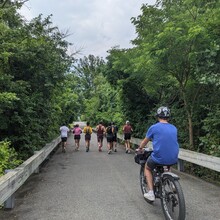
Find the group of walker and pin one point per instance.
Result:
(164, 137)
(110, 132)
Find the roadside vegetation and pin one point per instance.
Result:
(175, 61)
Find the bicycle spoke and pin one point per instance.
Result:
(170, 200)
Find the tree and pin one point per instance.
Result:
(172, 35)
(34, 64)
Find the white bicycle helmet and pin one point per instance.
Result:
(163, 112)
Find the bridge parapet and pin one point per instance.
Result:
(11, 181)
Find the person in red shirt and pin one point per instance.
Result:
(127, 130)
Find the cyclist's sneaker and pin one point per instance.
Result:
(149, 196)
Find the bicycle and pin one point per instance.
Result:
(166, 187)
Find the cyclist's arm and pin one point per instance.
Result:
(144, 143)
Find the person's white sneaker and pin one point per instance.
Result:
(149, 196)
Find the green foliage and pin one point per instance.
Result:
(175, 62)
(175, 39)
(8, 157)
(35, 95)
(99, 101)
(210, 142)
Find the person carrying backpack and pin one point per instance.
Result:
(88, 131)
(109, 136)
(115, 137)
(100, 134)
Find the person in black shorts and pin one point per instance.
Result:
(114, 137)
(88, 131)
(100, 134)
(77, 135)
(109, 137)
(64, 134)
(127, 130)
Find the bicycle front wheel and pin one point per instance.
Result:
(143, 182)
(172, 200)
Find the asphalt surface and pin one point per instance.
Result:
(96, 186)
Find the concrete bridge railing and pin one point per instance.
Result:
(13, 179)
(200, 159)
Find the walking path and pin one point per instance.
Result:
(97, 186)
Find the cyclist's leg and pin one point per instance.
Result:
(149, 166)
(149, 177)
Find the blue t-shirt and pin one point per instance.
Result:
(165, 144)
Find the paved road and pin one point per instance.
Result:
(98, 186)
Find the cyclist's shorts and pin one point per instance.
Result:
(127, 136)
(150, 163)
(64, 139)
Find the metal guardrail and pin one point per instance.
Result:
(200, 159)
(11, 181)
(15, 178)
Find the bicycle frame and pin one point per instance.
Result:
(166, 187)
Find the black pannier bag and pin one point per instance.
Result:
(141, 158)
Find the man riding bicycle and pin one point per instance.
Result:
(165, 146)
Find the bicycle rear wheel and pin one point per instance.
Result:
(172, 200)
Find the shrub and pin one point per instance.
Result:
(8, 157)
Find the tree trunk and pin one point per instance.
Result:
(190, 127)
(190, 122)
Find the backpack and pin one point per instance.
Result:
(109, 130)
(115, 129)
(87, 131)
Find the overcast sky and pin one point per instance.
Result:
(95, 25)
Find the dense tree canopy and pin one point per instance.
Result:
(33, 67)
(175, 61)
